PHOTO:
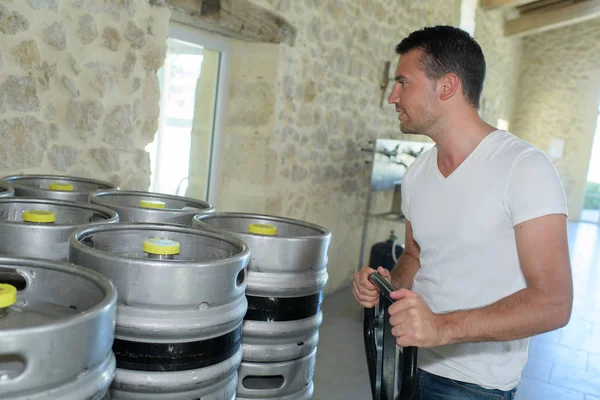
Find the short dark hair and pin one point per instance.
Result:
(449, 49)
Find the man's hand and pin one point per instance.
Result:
(363, 290)
(413, 322)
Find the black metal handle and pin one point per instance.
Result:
(380, 348)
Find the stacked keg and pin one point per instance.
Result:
(191, 323)
(57, 320)
(180, 307)
(6, 190)
(286, 276)
(57, 187)
(41, 227)
(134, 206)
(56, 331)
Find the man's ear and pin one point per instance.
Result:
(449, 85)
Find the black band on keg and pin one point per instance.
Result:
(168, 357)
(281, 309)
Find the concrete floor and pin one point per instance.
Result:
(563, 365)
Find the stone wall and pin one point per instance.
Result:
(78, 87)
(502, 56)
(558, 97)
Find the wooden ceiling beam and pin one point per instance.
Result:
(238, 19)
(540, 20)
(491, 4)
(543, 4)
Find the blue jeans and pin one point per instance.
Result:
(433, 387)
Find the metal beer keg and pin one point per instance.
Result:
(6, 190)
(57, 323)
(180, 307)
(41, 228)
(68, 188)
(135, 206)
(286, 276)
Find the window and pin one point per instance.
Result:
(591, 199)
(182, 155)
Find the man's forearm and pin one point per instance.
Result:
(405, 270)
(525, 313)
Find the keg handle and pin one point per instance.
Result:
(13, 366)
(276, 385)
(380, 349)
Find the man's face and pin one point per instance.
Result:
(415, 96)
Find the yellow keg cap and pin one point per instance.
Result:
(161, 246)
(39, 216)
(263, 229)
(8, 295)
(152, 204)
(60, 186)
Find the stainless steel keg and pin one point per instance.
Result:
(134, 206)
(286, 276)
(41, 228)
(180, 307)
(6, 190)
(68, 188)
(57, 323)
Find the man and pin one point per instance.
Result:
(486, 254)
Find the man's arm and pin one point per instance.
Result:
(408, 264)
(544, 305)
(402, 274)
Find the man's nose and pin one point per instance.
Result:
(394, 96)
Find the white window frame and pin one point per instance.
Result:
(212, 42)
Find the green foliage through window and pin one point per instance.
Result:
(592, 196)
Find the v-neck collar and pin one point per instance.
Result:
(466, 160)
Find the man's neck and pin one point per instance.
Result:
(457, 140)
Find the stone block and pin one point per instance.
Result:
(83, 117)
(27, 55)
(24, 141)
(104, 78)
(112, 38)
(12, 22)
(135, 35)
(119, 127)
(70, 86)
(48, 75)
(63, 157)
(91, 6)
(19, 94)
(109, 160)
(56, 35)
(87, 31)
(43, 4)
(154, 58)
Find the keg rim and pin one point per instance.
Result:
(113, 216)
(14, 181)
(199, 219)
(77, 235)
(108, 301)
(96, 197)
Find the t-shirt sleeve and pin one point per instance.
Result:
(534, 189)
(404, 194)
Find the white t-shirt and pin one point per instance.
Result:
(464, 225)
